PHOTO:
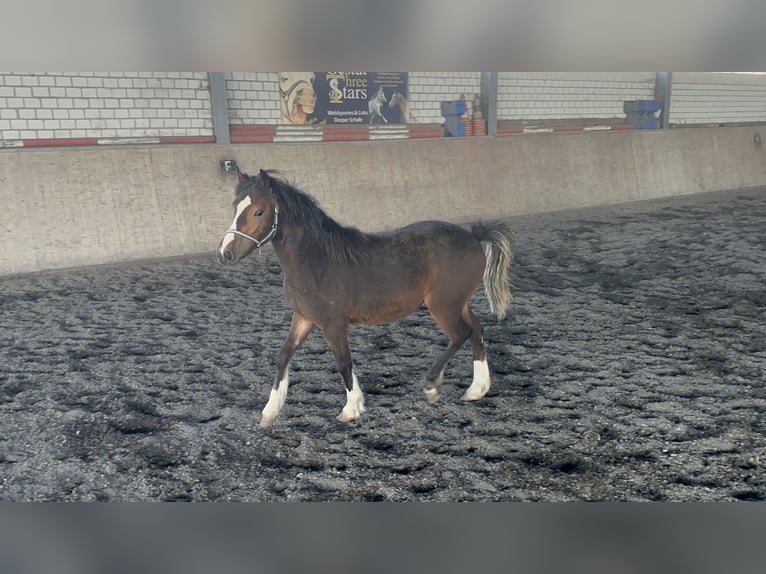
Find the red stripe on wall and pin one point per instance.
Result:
(418, 131)
(246, 133)
(237, 128)
(186, 139)
(59, 142)
(252, 139)
(336, 133)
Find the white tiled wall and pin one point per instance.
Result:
(253, 97)
(715, 98)
(428, 89)
(104, 105)
(114, 105)
(563, 95)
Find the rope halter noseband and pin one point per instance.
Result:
(269, 236)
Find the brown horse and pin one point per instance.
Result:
(336, 276)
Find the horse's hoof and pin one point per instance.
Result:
(470, 395)
(345, 417)
(266, 422)
(432, 395)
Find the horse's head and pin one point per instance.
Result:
(256, 218)
(296, 96)
(396, 97)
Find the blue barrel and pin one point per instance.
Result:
(642, 107)
(453, 108)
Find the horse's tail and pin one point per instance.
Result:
(497, 241)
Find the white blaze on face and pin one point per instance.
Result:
(229, 237)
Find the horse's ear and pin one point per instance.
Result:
(265, 180)
(242, 175)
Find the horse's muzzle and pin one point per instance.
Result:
(226, 257)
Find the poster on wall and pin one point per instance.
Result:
(308, 98)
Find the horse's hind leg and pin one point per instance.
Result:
(458, 330)
(337, 339)
(300, 327)
(481, 379)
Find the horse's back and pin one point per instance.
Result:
(441, 247)
(437, 237)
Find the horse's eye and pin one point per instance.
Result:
(259, 213)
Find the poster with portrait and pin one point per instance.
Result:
(308, 98)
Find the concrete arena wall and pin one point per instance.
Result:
(73, 207)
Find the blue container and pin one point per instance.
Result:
(642, 107)
(646, 123)
(453, 108)
(453, 126)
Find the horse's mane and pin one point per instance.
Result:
(340, 243)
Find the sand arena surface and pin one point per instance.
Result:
(631, 367)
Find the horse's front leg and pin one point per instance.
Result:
(300, 327)
(337, 339)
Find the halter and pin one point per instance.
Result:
(269, 236)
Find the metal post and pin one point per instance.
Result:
(219, 106)
(489, 100)
(663, 86)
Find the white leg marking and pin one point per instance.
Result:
(354, 402)
(229, 237)
(481, 381)
(276, 401)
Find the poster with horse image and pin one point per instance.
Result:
(308, 98)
